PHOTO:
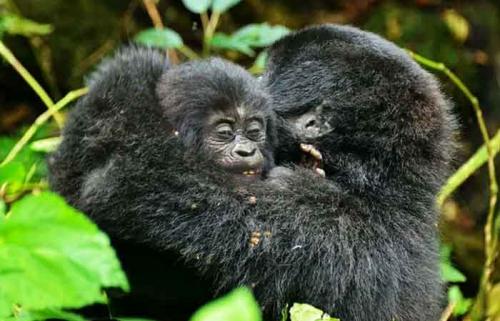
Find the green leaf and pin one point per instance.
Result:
(47, 145)
(261, 35)
(3, 210)
(238, 305)
(17, 25)
(306, 312)
(27, 157)
(160, 38)
(223, 41)
(259, 64)
(53, 257)
(223, 5)
(197, 6)
(462, 305)
(12, 174)
(49, 314)
(450, 274)
(248, 37)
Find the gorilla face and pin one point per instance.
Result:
(220, 112)
(312, 123)
(236, 141)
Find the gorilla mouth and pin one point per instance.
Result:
(251, 172)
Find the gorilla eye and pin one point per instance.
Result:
(224, 131)
(254, 130)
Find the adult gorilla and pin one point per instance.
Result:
(361, 244)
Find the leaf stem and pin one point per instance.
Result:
(34, 84)
(490, 234)
(43, 118)
(209, 31)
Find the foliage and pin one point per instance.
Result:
(238, 305)
(53, 257)
(306, 312)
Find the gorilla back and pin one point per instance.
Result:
(367, 245)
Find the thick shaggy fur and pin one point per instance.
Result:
(121, 163)
(362, 244)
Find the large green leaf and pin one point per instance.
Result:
(238, 305)
(53, 257)
(161, 38)
(197, 6)
(306, 312)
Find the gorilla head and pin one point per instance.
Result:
(363, 102)
(219, 110)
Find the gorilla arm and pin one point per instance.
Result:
(352, 255)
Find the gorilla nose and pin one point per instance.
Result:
(245, 151)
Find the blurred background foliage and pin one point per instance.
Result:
(61, 41)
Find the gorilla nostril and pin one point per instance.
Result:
(311, 123)
(246, 152)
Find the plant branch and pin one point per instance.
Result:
(155, 17)
(209, 31)
(481, 305)
(475, 162)
(34, 84)
(42, 119)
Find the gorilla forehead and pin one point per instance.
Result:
(212, 84)
(338, 63)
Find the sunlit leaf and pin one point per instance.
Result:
(160, 38)
(462, 304)
(238, 305)
(16, 25)
(3, 210)
(458, 25)
(49, 314)
(223, 5)
(197, 6)
(306, 312)
(13, 175)
(451, 274)
(47, 145)
(53, 257)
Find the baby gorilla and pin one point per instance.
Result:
(218, 110)
(162, 174)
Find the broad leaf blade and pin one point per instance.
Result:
(53, 257)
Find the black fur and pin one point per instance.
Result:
(121, 163)
(362, 244)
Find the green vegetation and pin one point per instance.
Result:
(54, 260)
